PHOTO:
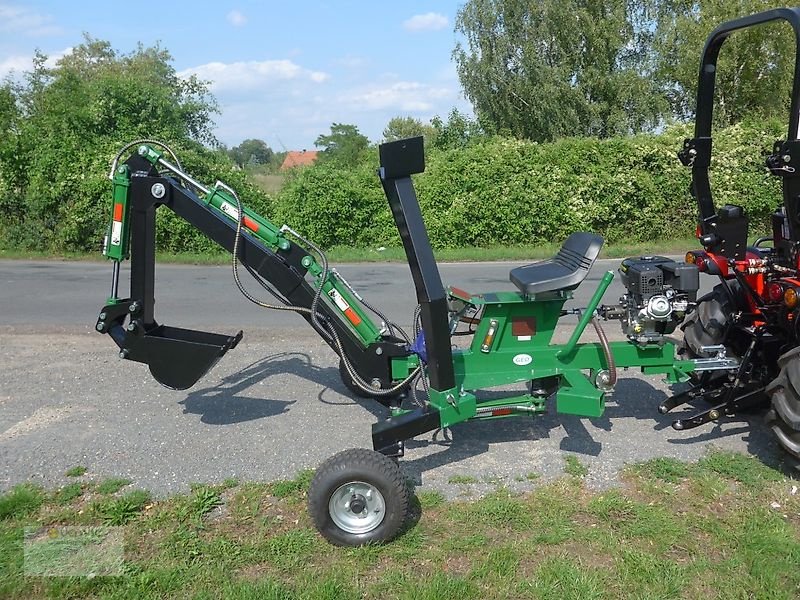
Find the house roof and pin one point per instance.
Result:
(297, 158)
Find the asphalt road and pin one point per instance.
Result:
(275, 404)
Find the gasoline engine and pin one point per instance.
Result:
(659, 293)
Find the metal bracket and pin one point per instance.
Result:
(720, 362)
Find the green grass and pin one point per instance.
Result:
(341, 254)
(111, 485)
(462, 479)
(573, 466)
(76, 471)
(673, 530)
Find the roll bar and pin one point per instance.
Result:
(697, 151)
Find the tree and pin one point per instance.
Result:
(754, 68)
(344, 144)
(457, 132)
(68, 121)
(553, 68)
(251, 152)
(399, 128)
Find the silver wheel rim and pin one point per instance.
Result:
(353, 495)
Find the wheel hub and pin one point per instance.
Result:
(357, 507)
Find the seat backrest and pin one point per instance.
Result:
(579, 251)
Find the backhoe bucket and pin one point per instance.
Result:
(178, 358)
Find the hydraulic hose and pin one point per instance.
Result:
(148, 141)
(612, 366)
(321, 326)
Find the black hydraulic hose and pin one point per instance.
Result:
(324, 328)
(612, 366)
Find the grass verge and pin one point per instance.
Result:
(342, 254)
(727, 526)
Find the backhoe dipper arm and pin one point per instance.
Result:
(179, 357)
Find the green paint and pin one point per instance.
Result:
(117, 242)
(587, 314)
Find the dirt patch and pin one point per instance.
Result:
(42, 418)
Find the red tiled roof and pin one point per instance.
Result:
(295, 158)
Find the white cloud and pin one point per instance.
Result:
(410, 96)
(18, 19)
(251, 74)
(236, 18)
(351, 62)
(428, 22)
(16, 65)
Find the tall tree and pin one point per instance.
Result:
(754, 68)
(554, 68)
(344, 144)
(251, 152)
(67, 122)
(399, 128)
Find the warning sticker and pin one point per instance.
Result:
(116, 233)
(229, 210)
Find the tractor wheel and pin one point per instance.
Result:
(358, 497)
(784, 416)
(707, 324)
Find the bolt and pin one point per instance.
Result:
(100, 327)
(103, 316)
(376, 383)
(132, 327)
(121, 170)
(133, 307)
(124, 353)
(378, 350)
(786, 158)
(714, 415)
(142, 150)
(351, 490)
(158, 190)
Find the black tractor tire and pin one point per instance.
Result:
(706, 325)
(358, 497)
(784, 391)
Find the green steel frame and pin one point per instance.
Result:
(511, 342)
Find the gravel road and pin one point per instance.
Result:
(275, 404)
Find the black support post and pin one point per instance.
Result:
(400, 160)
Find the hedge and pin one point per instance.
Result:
(502, 191)
(496, 191)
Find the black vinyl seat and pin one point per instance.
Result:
(564, 271)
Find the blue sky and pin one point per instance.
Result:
(281, 71)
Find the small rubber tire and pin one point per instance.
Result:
(362, 469)
(784, 416)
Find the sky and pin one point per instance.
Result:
(282, 72)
